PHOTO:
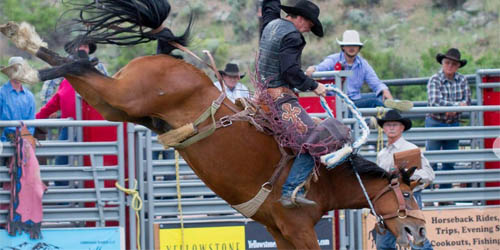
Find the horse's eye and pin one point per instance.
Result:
(406, 195)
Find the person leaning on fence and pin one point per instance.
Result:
(64, 99)
(394, 125)
(231, 76)
(16, 102)
(447, 88)
(280, 51)
(349, 59)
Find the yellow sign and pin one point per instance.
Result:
(457, 229)
(206, 238)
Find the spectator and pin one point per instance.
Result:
(65, 97)
(16, 102)
(394, 125)
(231, 76)
(280, 52)
(349, 59)
(447, 88)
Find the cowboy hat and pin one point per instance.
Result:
(71, 46)
(394, 116)
(350, 37)
(308, 10)
(232, 70)
(452, 54)
(19, 69)
(14, 65)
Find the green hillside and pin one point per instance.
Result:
(402, 37)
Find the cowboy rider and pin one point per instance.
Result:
(280, 51)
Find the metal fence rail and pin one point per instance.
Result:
(65, 204)
(199, 204)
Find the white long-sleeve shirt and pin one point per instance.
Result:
(385, 159)
(239, 91)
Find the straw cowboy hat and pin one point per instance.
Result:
(350, 37)
(452, 54)
(71, 46)
(394, 116)
(308, 10)
(232, 70)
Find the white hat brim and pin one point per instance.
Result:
(348, 43)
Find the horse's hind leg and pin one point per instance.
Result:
(281, 242)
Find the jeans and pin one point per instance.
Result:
(441, 145)
(369, 100)
(301, 168)
(387, 241)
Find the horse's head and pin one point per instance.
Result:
(393, 201)
(399, 209)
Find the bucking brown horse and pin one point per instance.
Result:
(162, 92)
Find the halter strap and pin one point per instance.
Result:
(402, 211)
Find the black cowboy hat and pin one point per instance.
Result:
(394, 116)
(71, 46)
(231, 70)
(452, 54)
(308, 10)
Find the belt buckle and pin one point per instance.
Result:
(225, 121)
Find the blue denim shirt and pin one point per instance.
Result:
(16, 106)
(362, 72)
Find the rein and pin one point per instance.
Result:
(335, 158)
(402, 211)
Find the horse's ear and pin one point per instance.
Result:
(415, 183)
(408, 172)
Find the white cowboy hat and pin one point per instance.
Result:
(15, 60)
(350, 37)
(14, 63)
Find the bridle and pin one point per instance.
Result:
(403, 210)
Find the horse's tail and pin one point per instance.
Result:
(127, 22)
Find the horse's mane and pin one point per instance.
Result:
(367, 168)
(370, 169)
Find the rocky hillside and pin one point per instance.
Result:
(402, 37)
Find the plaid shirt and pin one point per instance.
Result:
(443, 92)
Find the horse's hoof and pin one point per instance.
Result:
(9, 29)
(21, 72)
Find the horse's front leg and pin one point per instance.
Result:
(281, 242)
(298, 228)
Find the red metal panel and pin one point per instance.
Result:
(491, 96)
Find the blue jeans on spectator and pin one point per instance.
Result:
(369, 100)
(387, 241)
(441, 145)
(62, 160)
(301, 168)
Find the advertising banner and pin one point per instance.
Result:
(107, 238)
(227, 236)
(257, 237)
(217, 236)
(457, 229)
